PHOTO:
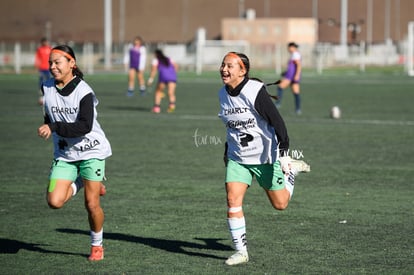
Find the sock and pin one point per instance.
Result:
(142, 88)
(77, 185)
(237, 228)
(279, 94)
(297, 101)
(97, 238)
(74, 189)
(290, 183)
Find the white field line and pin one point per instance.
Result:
(293, 120)
(343, 121)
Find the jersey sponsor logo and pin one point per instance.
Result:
(89, 144)
(245, 139)
(64, 110)
(236, 110)
(237, 124)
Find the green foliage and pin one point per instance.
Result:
(165, 204)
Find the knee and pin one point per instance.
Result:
(55, 203)
(280, 205)
(233, 201)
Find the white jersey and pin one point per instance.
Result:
(250, 138)
(295, 56)
(65, 109)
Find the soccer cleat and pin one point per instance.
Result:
(239, 257)
(299, 166)
(102, 192)
(156, 109)
(142, 92)
(97, 253)
(171, 108)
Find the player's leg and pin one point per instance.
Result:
(141, 80)
(284, 83)
(278, 198)
(95, 218)
(93, 172)
(238, 179)
(43, 76)
(131, 81)
(296, 94)
(171, 96)
(61, 186)
(158, 96)
(277, 185)
(59, 192)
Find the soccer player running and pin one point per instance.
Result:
(80, 145)
(257, 144)
(137, 61)
(291, 77)
(167, 77)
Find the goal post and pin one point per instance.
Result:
(209, 53)
(410, 49)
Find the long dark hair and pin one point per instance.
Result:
(162, 58)
(65, 48)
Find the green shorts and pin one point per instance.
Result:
(91, 169)
(269, 176)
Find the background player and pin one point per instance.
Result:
(292, 77)
(42, 63)
(256, 140)
(167, 77)
(80, 145)
(137, 59)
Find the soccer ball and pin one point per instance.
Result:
(335, 112)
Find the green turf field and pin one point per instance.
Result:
(165, 204)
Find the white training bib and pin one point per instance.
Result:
(250, 138)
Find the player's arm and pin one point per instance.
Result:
(37, 60)
(225, 156)
(269, 112)
(175, 65)
(154, 69)
(83, 124)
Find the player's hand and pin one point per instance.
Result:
(44, 131)
(285, 164)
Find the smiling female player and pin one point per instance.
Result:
(80, 145)
(257, 145)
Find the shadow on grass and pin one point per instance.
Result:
(9, 246)
(173, 246)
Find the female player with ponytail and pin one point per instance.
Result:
(167, 78)
(80, 145)
(257, 145)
